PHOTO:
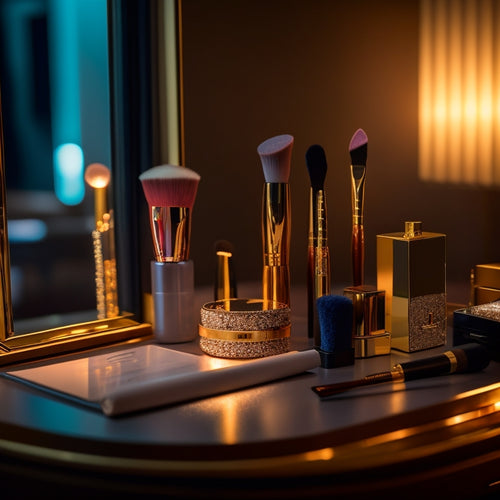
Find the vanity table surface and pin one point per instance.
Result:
(280, 432)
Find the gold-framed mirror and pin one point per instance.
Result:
(119, 67)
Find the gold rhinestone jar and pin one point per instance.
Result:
(244, 328)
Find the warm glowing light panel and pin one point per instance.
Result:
(459, 91)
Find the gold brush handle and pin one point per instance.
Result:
(358, 254)
(276, 240)
(276, 284)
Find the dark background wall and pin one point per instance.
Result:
(318, 70)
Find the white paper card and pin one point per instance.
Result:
(148, 376)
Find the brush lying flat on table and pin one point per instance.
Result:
(467, 358)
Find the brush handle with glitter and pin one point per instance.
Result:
(276, 241)
(318, 268)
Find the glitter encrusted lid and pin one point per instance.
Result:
(244, 314)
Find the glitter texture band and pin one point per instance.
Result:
(244, 328)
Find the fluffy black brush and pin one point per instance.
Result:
(318, 255)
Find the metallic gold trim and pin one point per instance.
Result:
(70, 338)
(372, 345)
(276, 211)
(453, 361)
(245, 336)
(468, 419)
(6, 319)
(398, 374)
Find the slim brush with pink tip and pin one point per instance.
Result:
(170, 191)
(358, 149)
(275, 155)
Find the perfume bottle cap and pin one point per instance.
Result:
(412, 229)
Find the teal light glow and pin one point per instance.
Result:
(69, 183)
(65, 91)
(26, 230)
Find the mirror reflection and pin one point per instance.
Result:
(55, 104)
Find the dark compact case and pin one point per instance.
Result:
(478, 323)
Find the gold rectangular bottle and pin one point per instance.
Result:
(411, 268)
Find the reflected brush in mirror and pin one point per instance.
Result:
(275, 154)
(358, 149)
(170, 191)
(98, 177)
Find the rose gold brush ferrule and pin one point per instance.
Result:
(276, 214)
(318, 259)
(358, 175)
(171, 229)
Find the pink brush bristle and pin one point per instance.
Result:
(170, 186)
(358, 147)
(276, 154)
(358, 139)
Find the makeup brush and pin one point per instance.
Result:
(358, 149)
(225, 282)
(318, 254)
(275, 154)
(170, 191)
(466, 358)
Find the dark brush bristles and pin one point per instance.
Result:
(358, 147)
(471, 358)
(170, 186)
(276, 154)
(316, 166)
(224, 246)
(335, 314)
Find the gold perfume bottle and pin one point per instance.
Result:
(411, 268)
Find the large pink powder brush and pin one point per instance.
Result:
(170, 191)
(275, 155)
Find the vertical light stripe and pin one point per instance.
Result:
(470, 93)
(170, 82)
(425, 91)
(440, 84)
(496, 96)
(459, 91)
(455, 47)
(484, 93)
